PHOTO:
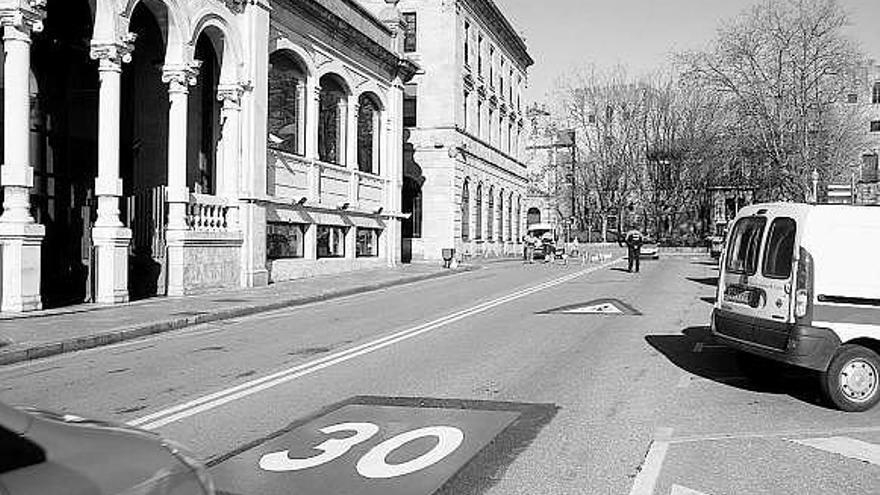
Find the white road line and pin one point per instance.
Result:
(845, 446)
(683, 490)
(650, 469)
(217, 399)
(720, 437)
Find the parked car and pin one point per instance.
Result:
(649, 249)
(799, 284)
(45, 453)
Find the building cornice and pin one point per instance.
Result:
(503, 29)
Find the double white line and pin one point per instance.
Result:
(217, 399)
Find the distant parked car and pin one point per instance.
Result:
(649, 249)
(45, 453)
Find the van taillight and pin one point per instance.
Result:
(801, 302)
(803, 296)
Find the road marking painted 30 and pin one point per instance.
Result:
(217, 399)
(374, 463)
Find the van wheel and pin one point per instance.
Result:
(852, 381)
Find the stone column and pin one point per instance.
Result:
(179, 78)
(111, 239)
(230, 116)
(378, 142)
(351, 133)
(20, 236)
(301, 116)
(342, 133)
(313, 106)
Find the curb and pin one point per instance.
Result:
(16, 353)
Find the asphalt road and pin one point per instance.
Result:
(502, 380)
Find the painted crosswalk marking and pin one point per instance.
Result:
(605, 308)
(682, 490)
(845, 446)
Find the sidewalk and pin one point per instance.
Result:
(46, 333)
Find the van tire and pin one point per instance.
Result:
(863, 365)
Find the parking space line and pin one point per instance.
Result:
(845, 446)
(649, 472)
(683, 490)
(719, 437)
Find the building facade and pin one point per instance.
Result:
(464, 181)
(866, 92)
(164, 147)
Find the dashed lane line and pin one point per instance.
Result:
(217, 399)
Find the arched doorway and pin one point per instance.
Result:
(533, 215)
(64, 144)
(203, 122)
(144, 151)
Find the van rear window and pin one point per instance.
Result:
(780, 248)
(745, 243)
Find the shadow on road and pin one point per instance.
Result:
(723, 365)
(708, 299)
(710, 281)
(706, 263)
(619, 269)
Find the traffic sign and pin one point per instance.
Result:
(382, 446)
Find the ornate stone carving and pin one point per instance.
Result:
(180, 77)
(230, 95)
(321, 59)
(27, 16)
(113, 55)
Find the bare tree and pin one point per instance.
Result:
(782, 68)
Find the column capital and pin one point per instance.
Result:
(230, 95)
(23, 17)
(180, 76)
(113, 54)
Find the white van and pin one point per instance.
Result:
(800, 284)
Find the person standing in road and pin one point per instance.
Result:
(530, 242)
(634, 240)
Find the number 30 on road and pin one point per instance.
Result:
(373, 464)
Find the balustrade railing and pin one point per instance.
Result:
(207, 213)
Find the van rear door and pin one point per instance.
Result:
(775, 275)
(737, 296)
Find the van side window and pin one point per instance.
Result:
(780, 248)
(745, 243)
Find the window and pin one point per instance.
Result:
(492, 66)
(852, 98)
(533, 216)
(412, 204)
(875, 126)
(510, 87)
(510, 219)
(478, 221)
(490, 216)
(286, 115)
(285, 240)
(467, 43)
(869, 168)
(465, 212)
(480, 55)
(411, 33)
(368, 132)
(745, 242)
(367, 245)
(479, 118)
(331, 131)
(491, 132)
(465, 120)
(501, 80)
(501, 216)
(331, 241)
(875, 94)
(780, 248)
(410, 110)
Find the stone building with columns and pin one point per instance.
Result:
(165, 147)
(464, 181)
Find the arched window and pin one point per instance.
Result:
(287, 104)
(501, 216)
(490, 216)
(534, 216)
(478, 222)
(369, 131)
(465, 212)
(412, 204)
(331, 120)
(510, 218)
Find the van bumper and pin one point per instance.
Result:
(805, 346)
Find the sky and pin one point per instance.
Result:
(641, 34)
